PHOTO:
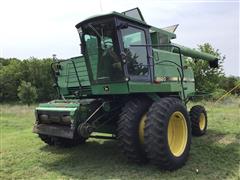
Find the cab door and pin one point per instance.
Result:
(137, 54)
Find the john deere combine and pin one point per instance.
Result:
(131, 83)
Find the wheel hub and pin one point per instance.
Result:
(202, 121)
(177, 133)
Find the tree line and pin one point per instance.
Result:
(30, 80)
(16, 74)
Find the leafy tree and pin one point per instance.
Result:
(27, 93)
(9, 80)
(36, 71)
(207, 79)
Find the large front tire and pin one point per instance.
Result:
(168, 134)
(131, 129)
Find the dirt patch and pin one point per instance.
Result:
(229, 139)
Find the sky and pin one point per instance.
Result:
(41, 28)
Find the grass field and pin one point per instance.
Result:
(23, 156)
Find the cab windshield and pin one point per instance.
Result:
(102, 51)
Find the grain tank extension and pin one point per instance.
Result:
(131, 84)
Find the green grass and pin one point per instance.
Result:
(24, 156)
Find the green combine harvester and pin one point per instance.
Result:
(131, 84)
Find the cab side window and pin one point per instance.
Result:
(137, 63)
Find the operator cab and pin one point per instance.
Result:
(115, 47)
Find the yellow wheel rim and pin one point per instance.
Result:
(202, 121)
(177, 133)
(141, 128)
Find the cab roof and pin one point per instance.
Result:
(112, 14)
(129, 17)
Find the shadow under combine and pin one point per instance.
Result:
(102, 159)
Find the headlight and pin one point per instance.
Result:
(44, 118)
(66, 119)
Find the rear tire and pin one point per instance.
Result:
(198, 116)
(168, 134)
(130, 129)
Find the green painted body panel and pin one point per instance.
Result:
(114, 88)
(67, 78)
(164, 68)
(143, 87)
(59, 106)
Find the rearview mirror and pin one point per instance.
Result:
(122, 26)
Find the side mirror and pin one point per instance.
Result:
(213, 64)
(122, 26)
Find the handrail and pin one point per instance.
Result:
(55, 77)
(80, 86)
